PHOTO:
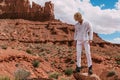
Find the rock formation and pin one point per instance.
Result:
(85, 76)
(21, 9)
(40, 32)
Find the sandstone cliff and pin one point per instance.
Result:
(21, 9)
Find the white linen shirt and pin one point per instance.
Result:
(83, 31)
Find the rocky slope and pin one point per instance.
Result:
(37, 32)
(10, 58)
(52, 41)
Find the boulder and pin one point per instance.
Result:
(85, 76)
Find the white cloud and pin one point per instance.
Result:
(115, 40)
(118, 5)
(102, 5)
(103, 21)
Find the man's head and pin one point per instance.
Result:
(78, 16)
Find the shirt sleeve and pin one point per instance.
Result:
(90, 32)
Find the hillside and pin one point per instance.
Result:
(52, 41)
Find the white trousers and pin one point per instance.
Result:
(87, 51)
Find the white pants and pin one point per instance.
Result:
(87, 50)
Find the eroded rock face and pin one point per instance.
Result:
(17, 9)
(28, 31)
(39, 32)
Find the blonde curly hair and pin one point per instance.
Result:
(77, 16)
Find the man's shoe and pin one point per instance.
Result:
(78, 69)
(90, 72)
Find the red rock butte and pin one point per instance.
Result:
(21, 9)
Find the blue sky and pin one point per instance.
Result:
(104, 15)
(110, 36)
(107, 4)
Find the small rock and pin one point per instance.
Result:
(85, 76)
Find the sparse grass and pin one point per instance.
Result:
(118, 62)
(117, 59)
(48, 51)
(42, 53)
(4, 47)
(53, 63)
(63, 79)
(12, 39)
(70, 54)
(21, 74)
(61, 56)
(4, 78)
(111, 73)
(35, 63)
(54, 75)
(46, 59)
(69, 71)
(29, 51)
(69, 50)
(72, 62)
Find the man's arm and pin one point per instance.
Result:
(90, 33)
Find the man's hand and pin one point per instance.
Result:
(90, 42)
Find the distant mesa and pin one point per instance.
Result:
(21, 9)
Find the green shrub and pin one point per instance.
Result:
(29, 51)
(69, 71)
(21, 74)
(35, 63)
(4, 78)
(111, 73)
(72, 62)
(64, 79)
(4, 47)
(117, 57)
(54, 75)
(53, 63)
(118, 62)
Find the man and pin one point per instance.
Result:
(83, 36)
